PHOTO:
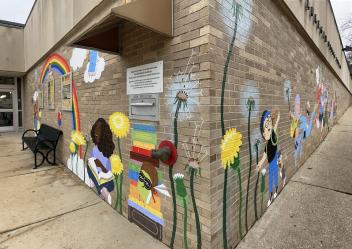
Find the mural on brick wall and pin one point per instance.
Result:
(36, 116)
(99, 166)
(120, 126)
(301, 126)
(232, 139)
(95, 65)
(322, 96)
(268, 126)
(183, 97)
(146, 181)
(104, 168)
(195, 153)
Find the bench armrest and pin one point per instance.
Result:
(24, 133)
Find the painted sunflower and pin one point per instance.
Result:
(119, 124)
(72, 148)
(294, 126)
(78, 138)
(230, 146)
(116, 164)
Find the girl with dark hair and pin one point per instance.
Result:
(99, 166)
(271, 152)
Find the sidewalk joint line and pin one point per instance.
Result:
(49, 218)
(322, 187)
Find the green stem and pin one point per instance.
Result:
(172, 180)
(117, 191)
(256, 187)
(119, 147)
(224, 209)
(120, 195)
(84, 161)
(121, 178)
(255, 197)
(223, 84)
(240, 211)
(196, 215)
(250, 164)
(185, 243)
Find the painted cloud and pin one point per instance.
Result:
(77, 58)
(95, 67)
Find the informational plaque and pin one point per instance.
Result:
(147, 78)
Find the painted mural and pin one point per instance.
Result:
(301, 126)
(195, 152)
(232, 139)
(146, 181)
(120, 127)
(183, 98)
(95, 65)
(271, 152)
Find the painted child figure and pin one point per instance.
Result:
(271, 152)
(99, 165)
(301, 126)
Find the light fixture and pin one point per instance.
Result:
(2, 96)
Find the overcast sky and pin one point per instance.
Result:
(15, 10)
(343, 11)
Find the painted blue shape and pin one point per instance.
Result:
(146, 212)
(143, 127)
(133, 175)
(93, 56)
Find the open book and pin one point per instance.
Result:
(99, 175)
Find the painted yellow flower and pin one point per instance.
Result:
(78, 138)
(230, 146)
(119, 124)
(294, 125)
(72, 148)
(116, 165)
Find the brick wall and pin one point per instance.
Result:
(268, 50)
(188, 48)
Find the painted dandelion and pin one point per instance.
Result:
(182, 194)
(230, 148)
(182, 97)
(120, 126)
(185, 91)
(77, 139)
(250, 105)
(117, 170)
(195, 153)
(225, 159)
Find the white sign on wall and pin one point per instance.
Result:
(147, 78)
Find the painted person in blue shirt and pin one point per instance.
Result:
(99, 167)
(271, 152)
(301, 126)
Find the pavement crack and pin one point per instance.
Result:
(322, 187)
(49, 218)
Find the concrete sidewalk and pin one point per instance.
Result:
(315, 208)
(51, 208)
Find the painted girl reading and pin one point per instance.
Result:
(99, 166)
(271, 152)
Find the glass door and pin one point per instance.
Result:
(7, 99)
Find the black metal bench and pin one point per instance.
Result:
(44, 142)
